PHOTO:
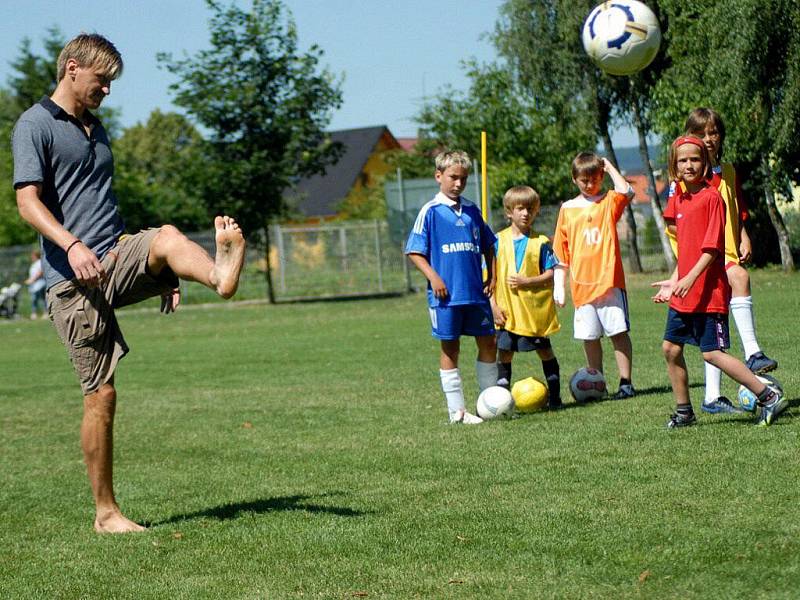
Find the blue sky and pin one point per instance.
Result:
(391, 54)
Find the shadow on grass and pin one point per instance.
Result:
(656, 389)
(748, 417)
(663, 389)
(234, 510)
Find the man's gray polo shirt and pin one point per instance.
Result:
(75, 170)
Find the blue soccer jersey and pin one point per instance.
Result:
(453, 243)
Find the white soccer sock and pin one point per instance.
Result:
(487, 374)
(713, 382)
(742, 310)
(453, 392)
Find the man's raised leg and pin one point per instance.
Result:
(190, 262)
(97, 442)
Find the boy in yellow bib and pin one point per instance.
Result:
(523, 307)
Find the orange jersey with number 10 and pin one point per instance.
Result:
(586, 241)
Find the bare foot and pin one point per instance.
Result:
(230, 256)
(115, 522)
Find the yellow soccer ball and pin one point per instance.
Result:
(529, 395)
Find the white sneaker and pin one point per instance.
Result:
(462, 416)
(470, 419)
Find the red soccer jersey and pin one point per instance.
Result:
(700, 221)
(725, 180)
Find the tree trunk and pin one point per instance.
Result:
(268, 270)
(655, 203)
(603, 115)
(777, 220)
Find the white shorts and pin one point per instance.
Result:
(607, 315)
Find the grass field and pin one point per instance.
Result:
(301, 451)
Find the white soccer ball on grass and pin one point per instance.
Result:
(495, 402)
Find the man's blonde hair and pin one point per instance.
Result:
(522, 195)
(451, 158)
(91, 50)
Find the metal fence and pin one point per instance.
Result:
(336, 260)
(330, 260)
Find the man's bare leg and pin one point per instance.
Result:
(189, 261)
(97, 442)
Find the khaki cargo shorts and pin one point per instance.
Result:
(84, 317)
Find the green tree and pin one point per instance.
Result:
(35, 75)
(265, 105)
(751, 78)
(526, 143)
(633, 105)
(158, 164)
(12, 228)
(541, 42)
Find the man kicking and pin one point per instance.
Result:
(63, 170)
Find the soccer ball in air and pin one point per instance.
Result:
(587, 384)
(529, 395)
(494, 402)
(621, 36)
(748, 401)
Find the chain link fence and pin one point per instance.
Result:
(330, 260)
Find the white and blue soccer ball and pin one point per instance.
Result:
(495, 402)
(748, 401)
(621, 36)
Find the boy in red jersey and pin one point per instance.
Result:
(587, 244)
(698, 291)
(707, 125)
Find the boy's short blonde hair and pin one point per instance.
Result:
(587, 163)
(451, 158)
(91, 50)
(522, 195)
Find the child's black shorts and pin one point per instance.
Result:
(520, 343)
(709, 331)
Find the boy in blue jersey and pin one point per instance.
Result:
(447, 243)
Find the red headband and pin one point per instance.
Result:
(688, 139)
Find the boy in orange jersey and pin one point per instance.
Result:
(587, 244)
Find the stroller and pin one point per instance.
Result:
(9, 299)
